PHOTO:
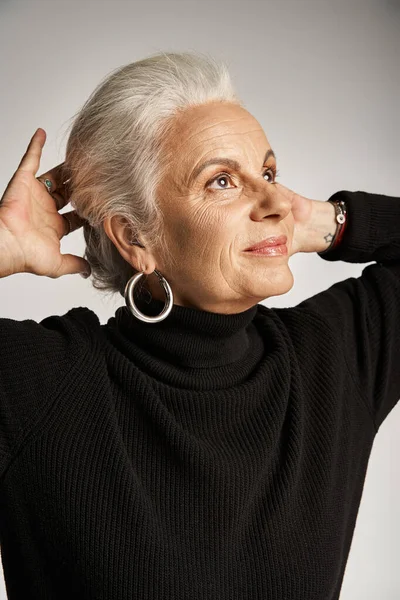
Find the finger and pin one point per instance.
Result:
(55, 175)
(49, 176)
(288, 193)
(59, 200)
(72, 264)
(72, 221)
(31, 159)
(283, 188)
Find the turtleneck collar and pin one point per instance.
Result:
(188, 342)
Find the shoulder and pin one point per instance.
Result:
(299, 326)
(79, 321)
(53, 345)
(76, 324)
(38, 361)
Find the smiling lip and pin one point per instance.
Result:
(268, 243)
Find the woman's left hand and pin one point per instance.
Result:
(314, 222)
(302, 212)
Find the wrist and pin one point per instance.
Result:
(322, 226)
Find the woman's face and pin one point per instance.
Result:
(213, 213)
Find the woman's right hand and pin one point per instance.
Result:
(31, 226)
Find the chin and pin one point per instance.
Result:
(278, 282)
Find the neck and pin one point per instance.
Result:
(189, 342)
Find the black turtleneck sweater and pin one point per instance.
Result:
(208, 456)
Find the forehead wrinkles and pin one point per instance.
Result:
(202, 149)
(216, 125)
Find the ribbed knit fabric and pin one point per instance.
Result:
(208, 456)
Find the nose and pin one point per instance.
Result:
(271, 200)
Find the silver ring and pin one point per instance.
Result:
(46, 182)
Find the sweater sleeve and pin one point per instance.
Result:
(362, 314)
(35, 361)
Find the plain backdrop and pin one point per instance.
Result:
(322, 78)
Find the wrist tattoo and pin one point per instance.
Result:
(328, 238)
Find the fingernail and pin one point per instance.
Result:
(84, 275)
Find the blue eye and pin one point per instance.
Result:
(225, 177)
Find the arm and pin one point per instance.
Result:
(362, 314)
(319, 230)
(35, 360)
(35, 357)
(373, 229)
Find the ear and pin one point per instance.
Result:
(136, 254)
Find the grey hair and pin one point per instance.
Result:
(113, 153)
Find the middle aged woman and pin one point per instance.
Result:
(199, 444)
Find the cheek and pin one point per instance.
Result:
(199, 224)
(215, 231)
(205, 222)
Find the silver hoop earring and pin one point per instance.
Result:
(128, 295)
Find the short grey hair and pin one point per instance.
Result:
(113, 153)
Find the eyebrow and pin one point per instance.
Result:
(229, 162)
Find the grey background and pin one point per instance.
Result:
(323, 80)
